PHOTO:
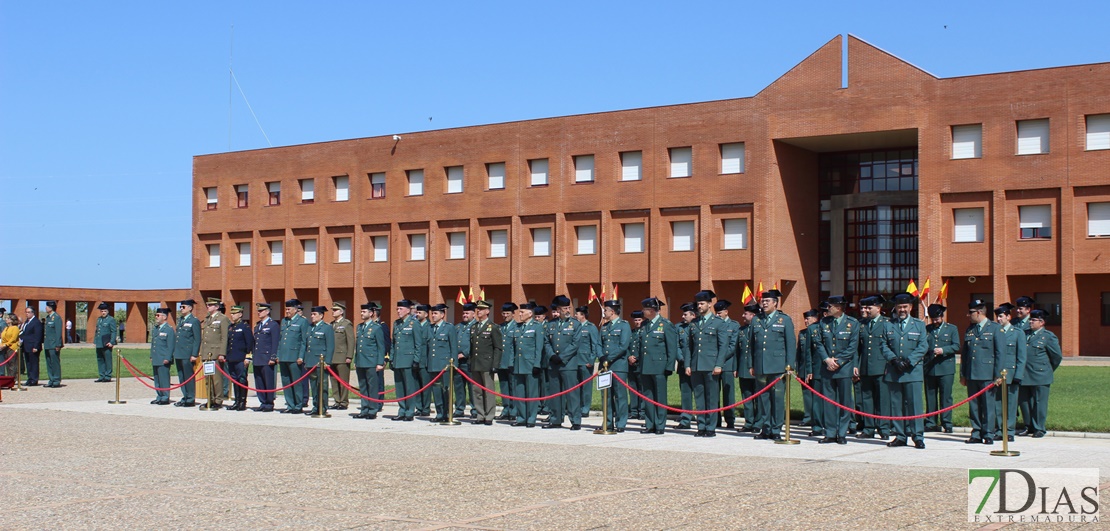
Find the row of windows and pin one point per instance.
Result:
(1032, 137)
(681, 164)
(1034, 222)
(734, 236)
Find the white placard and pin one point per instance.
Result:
(604, 380)
(209, 368)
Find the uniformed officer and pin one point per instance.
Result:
(940, 368)
(240, 343)
(462, 361)
(752, 418)
(484, 355)
(370, 352)
(635, 405)
(526, 353)
(52, 343)
(423, 402)
(980, 363)
(505, 368)
(267, 336)
(539, 314)
(709, 351)
(808, 366)
(907, 342)
(1043, 357)
(872, 395)
(442, 349)
(213, 347)
(658, 356)
(162, 344)
(837, 352)
(319, 348)
(107, 333)
(186, 351)
(1013, 360)
(685, 389)
(728, 372)
(410, 342)
(290, 353)
(344, 354)
(773, 343)
(589, 348)
(1023, 306)
(616, 337)
(563, 364)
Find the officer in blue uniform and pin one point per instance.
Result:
(370, 349)
(1043, 357)
(240, 343)
(616, 337)
(526, 352)
(410, 342)
(291, 352)
(729, 371)
(563, 364)
(505, 368)
(773, 342)
(442, 349)
(162, 343)
(267, 337)
(321, 341)
(906, 342)
(685, 389)
(1013, 360)
(940, 368)
(185, 352)
(980, 364)
(837, 351)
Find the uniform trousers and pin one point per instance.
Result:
(264, 379)
(771, 404)
(1034, 407)
(586, 392)
(905, 401)
(707, 395)
(185, 374)
(339, 391)
(505, 386)
(618, 402)
(526, 386)
(405, 381)
(817, 407)
(161, 375)
(53, 365)
(654, 386)
(836, 420)
(728, 396)
(485, 404)
(238, 372)
(686, 396)
(318, 388)
(368, 386)
(748, 388)
(981, 410)
(294, 394)
(938, 395)
(103, 363)
(1008, 417)
(569, 404)
(875, 400)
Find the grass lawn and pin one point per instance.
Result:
(1072, 405)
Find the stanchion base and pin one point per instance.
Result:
(600, 431)
(788, 441)
(1006, 453)
(207, 407)
(321, 416)
(450, 423)
(117, 401)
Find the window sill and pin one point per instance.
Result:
(968, 158)
(723, 174)
(631, 180)
(502, 189)
(980, 241)
(735, 249)
(1028, 154)
(584, 182)
(544, 185)
(679, 176)
(496, 257)
(1034, 239)
(632, 252)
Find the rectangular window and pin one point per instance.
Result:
(682, 160)
(454, 180)
(342, 188)
(381, 248)
(584, 169)
(416, 246)
(1032, 137)
(1106, 308)
(456, 243)
(736, 233)
(416, 182)
(343, 250)
(308, 191)
(496, 173)
(967, 141)
(213, 255)
(1098, 131)
(309, 248)
(968, 225)
(277, 250)
(274, 190)
(732, 158)
(541, 242)
(1098, 219)
(498, 243)
(633, 237)
(377, 186)
(587, 239)
(538, 168)
(241, 195)
(683, 235)
(244, 253)
(1050, 304)
(210, 198)
(1035, 221)
(632, 164)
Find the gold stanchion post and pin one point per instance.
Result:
(117, 400)
(604, 429)
(786, 399)
(19, 368)
(322, 403)
(208, 388)
(450, 396)
(1005, 421)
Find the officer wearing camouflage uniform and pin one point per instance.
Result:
(344, 354)
(213, 346)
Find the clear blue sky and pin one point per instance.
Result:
(103, 104)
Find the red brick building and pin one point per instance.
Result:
(997, 183)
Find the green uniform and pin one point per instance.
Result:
(685, 388)
(213, 344)
(340, 360)
(409, 345)
(980, 364)
(728, 375)
(52, 328)
(462, 393)
(906, 338)
(107, 332)
(562, 370)
(589, 348)
(658, 350)
(773, 343)
(709, 351)
(939, 372)
(423, 400)
(369, 354)
(291, 352)
(162, 343)
(187, 339)
(635, 405)
(752, 419)
(320, 342)
(526, 353)
(484, 351)
(505, 370)
(616, 337)
(441, 351)
(807, 366)
(839, 341)
(872, 395)
(1013, 360)
(1042, 357)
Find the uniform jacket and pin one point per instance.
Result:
(485, 345)
(321, 340)
(947, 338)
(683, 345)
(344, 331)
(841, 342)
(773, 343)
(658, 347)
(731, 362)
(294, 338)
(709, 344)
(509, 332)
(240, 341)
(528, 345)
(410, 342)
(52, 328)
(107, 331)
(909, 341)
(442, 346)
(188, 338)
(744, 352)
(1042, 357)
(462, 340)
(162, 343)
(267, 336)
(1013, 354)
(981, 358)
(872, 343)
(807, 361)
(213, 336)
(564, 344)
(616, 338)
(370, 345)
(589, 344)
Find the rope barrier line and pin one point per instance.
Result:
(132, 369)
(883, 417)
(354, 391)
(518, 399)
(249, 388)
(10, 358)
(696, 411)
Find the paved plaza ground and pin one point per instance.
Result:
(70, 460)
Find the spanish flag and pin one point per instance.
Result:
(461, 299)
(925, 289)
(602, 296)
(481, 293)
(592, 297)
(943, 291)
(747, 297)
(615, 297)
(470, 297)
(912, 288)
(759, 291)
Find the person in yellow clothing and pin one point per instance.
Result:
(9, 343)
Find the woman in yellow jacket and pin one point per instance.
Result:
(9, 343)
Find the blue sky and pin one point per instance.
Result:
(104, 104)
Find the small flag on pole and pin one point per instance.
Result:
(912, 288)
(925, 290)
(943, 295)
(470, 297)
(759, 291)
(592, 297)
(747, 297)
(461, 299)
(615, 297)
(481, 293)
(602, 296)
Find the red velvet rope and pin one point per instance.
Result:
(355, 392)
(518, 399)
(249, 388)
(882, 417)
(695, 411)
(132, 369)
(10, 358)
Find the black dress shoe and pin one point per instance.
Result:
(947, 430)
(518, 424)
(827, 440)
(700, 433)
(895, 443)
(973, 440)
(988, 441)
(884, 437)
(841, 440)
(707, 434)
(682, 427)
(1010, 438)
(155, 401)
(919, 444)
(487, 422)
(815, 434)
(311, 412)
(297, 411)
(371, 416)
(286, 410)
(340, 408)
(575, 427)
(659, 431)
(551, 426)
(1038, 435)
(935, 429)
(648, 430)
(398, 418)
(1024, 433)
(529, 425)
(409, 418)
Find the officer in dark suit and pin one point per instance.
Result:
(773, 342)
(709, 354)
(52, 343)
(616, 338)
(1043, 357)
(940, 368)
(685, 388)
(906, 345)
(505, 368)
(107, 331)
(185, 352)
(408, 347)
(752, 419)
(30, 336)
(871, 394)
(370, 352)
(980, 364)
(658, 356)
(728, 372)
(562, 366)
(162, 344)
(837, 351)
(240, 343)
(1013, 360)
(267, 337)
(484, 355)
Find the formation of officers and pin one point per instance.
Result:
(878, 364)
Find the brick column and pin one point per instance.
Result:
(137, 325)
